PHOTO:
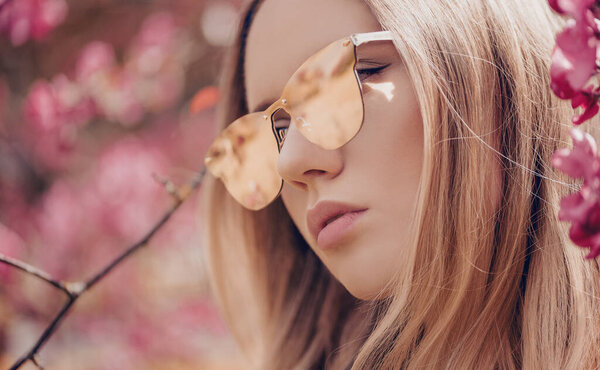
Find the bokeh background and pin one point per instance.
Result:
(96, 98)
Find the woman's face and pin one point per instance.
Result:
(377, 173)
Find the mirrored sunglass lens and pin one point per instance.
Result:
(244, 157)
(324, 96)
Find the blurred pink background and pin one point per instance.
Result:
(97, 97)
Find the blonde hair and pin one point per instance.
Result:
(495, 281)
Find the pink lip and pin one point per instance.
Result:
(328, 234)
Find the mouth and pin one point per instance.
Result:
(331, 219)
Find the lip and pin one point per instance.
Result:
(317, 219)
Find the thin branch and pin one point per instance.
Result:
(35, 272)
(169, 186)
(36, 362)
(75, 290)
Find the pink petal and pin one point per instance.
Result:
(581, 161)
(554, 5)
(588, 113)
(573, 208)
(42, 108)
(573, 60)
(94, 57)
(579, 235)
(50, 13)
(574, 8)
(588, 100)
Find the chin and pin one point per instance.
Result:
(364, 292)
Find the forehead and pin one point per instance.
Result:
(285, 33)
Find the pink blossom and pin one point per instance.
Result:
(53, 111)
(42, 107)
(116, 98)
(574, 8)
(582, 209)
(157, 58)
(113, 90)
(573, 60)
(588, 100)
(31, 19)
(60, 215)
(157, 30)
(153, 45)
(49, 15)
(162, 90)
(97, 56)
(49, 106)
(49, 138)
(130, 199)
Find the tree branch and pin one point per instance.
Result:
(76, 289)
(35, 272)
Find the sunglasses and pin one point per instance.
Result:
(323, 98)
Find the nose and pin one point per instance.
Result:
(302, 163)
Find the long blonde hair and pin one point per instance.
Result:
(495, 282)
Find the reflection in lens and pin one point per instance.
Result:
(244, 157)
(324, 96)
(385, 88)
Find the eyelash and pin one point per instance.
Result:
(365, 73)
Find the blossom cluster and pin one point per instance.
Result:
(574, 64)
(151, 79)
(574, 57)
(22, 20)
(582, 209)
(84, 125)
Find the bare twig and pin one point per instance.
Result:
(36, 361)
(34, 271)
(169, 186)
(75, 290)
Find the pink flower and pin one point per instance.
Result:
(588, 100)
(157, 30)
(116, 98)
(60, 102)
(113, 90)
(59, 217)
(42, 108)
(54, 111)
(573, 60)
(50, 13)
(574, 8)
(97, 56)
(582, 209)
(130, 200)
(31, 19)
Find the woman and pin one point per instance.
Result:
(428, 238)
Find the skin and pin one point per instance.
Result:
(378, 169)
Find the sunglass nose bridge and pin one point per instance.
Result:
(281, 121)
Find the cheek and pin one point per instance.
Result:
(295, 203)
(393, 138)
